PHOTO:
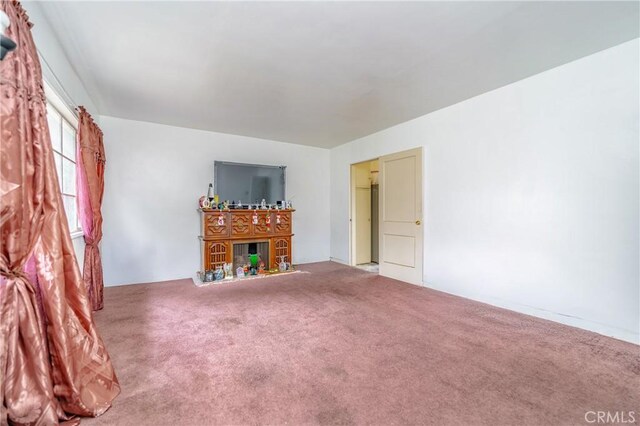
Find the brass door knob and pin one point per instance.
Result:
(418, 222)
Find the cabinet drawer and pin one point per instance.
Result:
(282, 226)
(262, 227)
(214, 229)
(240, 224)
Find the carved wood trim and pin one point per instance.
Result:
(284, 227)
(280, 246)
(241, 224)
(212, 229)
(262, 228)
(217, 254)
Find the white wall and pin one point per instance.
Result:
(155, 175)
(530, 193)
(56, 68)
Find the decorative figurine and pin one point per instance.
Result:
(263, 204)
(228, 271)
(219, 274)
(254, 218)
(240, 272)
(254, 259)
(210, 195)
(208, 276)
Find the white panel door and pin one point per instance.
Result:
(400, 185)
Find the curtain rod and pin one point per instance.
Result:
(60, 90)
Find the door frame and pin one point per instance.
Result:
(352, 196)
(352, 209)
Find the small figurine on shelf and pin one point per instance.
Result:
(282, 266)
(254, 258)
(228, 271)
(219, 274)
(263, 204)
(240, 272)
(210, 194)
(261, 267)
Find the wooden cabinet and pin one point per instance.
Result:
(220, 230)
(280, 250)
(216, 253)
(216, 226)
(240, 224)
(282, 222)
(262, 227)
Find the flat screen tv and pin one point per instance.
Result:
(249, 183)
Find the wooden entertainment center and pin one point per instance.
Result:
(220, 230)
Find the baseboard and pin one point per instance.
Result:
(603, 329)
(306, 261)
(335, 259)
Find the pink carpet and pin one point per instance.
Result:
(342, 346)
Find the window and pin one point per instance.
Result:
(63, 139)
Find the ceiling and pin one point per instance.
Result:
(318, 73)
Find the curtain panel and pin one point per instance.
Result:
(90, 184)
(53, 363)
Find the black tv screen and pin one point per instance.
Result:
(249, 183)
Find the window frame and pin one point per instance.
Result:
(53, 101)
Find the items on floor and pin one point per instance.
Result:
(369, 267)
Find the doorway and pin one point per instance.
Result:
(386, 216)
(364, 215)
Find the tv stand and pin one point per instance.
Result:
(220, 230)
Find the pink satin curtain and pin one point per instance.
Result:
(53, 363)
(90, 184)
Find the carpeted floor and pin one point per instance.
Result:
(342, 346)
